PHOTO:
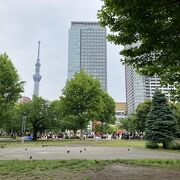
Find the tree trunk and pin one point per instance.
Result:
(81, 133)
(164, 145)
(74, 133)
(34, 135)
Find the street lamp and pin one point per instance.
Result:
(24, 124)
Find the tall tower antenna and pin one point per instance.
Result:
(38, 50)
(37, 76)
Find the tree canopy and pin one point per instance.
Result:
(36, 111)
(108, 109)
(150, 32)
(176, 112)
(81, 99)
(10, 85)
(141, 115)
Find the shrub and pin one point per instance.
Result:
(174, 145)
(67, 137)
(152, 145)
(72, 137)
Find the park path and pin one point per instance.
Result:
(60, 153)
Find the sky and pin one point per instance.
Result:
(24, 22)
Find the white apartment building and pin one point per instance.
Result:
(140, 88)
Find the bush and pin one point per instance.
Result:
(66, 137)
(174, 145)
(72, 137)
(151, 145)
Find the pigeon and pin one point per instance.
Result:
(80, 151)
(68, 151)
(128, 149)
(44, 145)
(30, 157)
(84, 149)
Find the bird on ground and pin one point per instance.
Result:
(25, 149)
(30, 157)
(68, 151)
(128, 149)
(80, 151)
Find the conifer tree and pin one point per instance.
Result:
(161, 124)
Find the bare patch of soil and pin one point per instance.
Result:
(125, 172)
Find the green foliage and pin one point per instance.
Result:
(55, 116)
(72, 123)
(111, 128)
(174, 145)
(176, 112)
(13, 121)
(107, 114)
(10, 86)
(128, 123)
(161, 124)
(82, 99)
(151, 145)
(125, 123)
(149, 31)
(37, 114)
(141, 115)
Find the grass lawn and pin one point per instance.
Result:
(68, 169)
(88, 142)
(107, 143)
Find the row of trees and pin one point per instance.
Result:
(82, 100)
(137, 121)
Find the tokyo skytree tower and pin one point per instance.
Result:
(37, 76)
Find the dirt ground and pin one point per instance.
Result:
(125, 172)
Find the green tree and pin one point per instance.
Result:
(176, 112)
(111, 128)
(107, 114)
(13, 120)
(82, 98)
(10, 86)
(141, 115)
(72, 123)
(55, 116)
(128, 123)
(150, 32)
(37, 114)
(125, 123)
(161, 124)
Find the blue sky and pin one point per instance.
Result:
(23, 23)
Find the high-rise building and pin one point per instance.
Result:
(140, 88)
(121, 110)
(87, 50)
(37, 76)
